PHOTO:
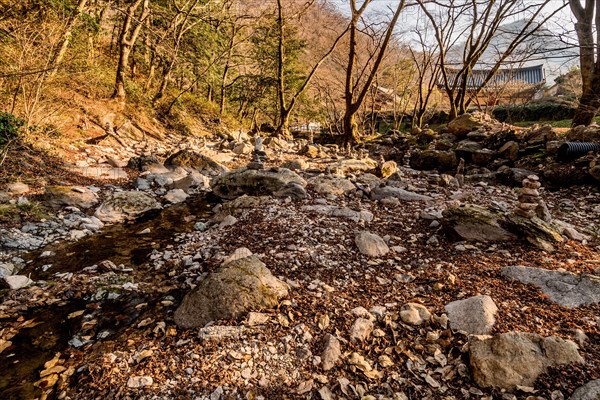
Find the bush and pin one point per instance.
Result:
(9, 127)
(534, 112)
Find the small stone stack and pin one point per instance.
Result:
(258, 155)
(529, 198)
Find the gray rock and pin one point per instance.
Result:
(141, 184)
(17, 188)
(474, 315)
(239, 206)
(380, 193)
(344, 167)
(236, 288)
(193, 180)
(242, 148)
(292, 190)
(75, 196)
(331, 185)
(143, 162)
(468, 122)
(16, 282)
(101, 172)
(414, 314)
(589, 391)
(434, 159)
(191, 160)
(331, 352)
(296, 165)
(253, 182)
(516, 359)
(125, 205)
(116, 163)
(371, 244)
(343, 212)
(471, 222)
(361, 329)
(6, 269)
(564, 288)
(176, 196)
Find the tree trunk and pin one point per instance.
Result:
(119, 92)
(164, 81)
(126, 44)
(282, 117)
(589, 103)
(351, 135)
(283, 129)
(353, 103)
(66, 38)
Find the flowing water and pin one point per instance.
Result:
(129, 244)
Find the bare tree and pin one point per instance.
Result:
(477, 22)
(589, 58)
(355, 89)
(63, 43)
(127, 37)
(184, 20)
(427, 66)
(286, 106)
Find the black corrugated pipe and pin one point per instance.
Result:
(570, 151)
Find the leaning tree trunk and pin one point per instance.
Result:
(66, 38)
(126, 44)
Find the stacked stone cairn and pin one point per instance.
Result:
(258, 155)
(530, 202)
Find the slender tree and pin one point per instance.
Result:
(286, 106)
(355, 90)
(63, 43)
(127, 37)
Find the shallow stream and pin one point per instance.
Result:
(129, 244)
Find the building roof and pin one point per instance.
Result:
(533, 75)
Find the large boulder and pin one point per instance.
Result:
(126, 205)
(238, 287)
(564, 288)
(253, 182)
(143, 163)
(516, 359)
(193, 160)
(345, 167)
(535, 231)
(474, 315)
(468, 122)
(74, 196)
(434, 159)
(331, 185)
(472, 222)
